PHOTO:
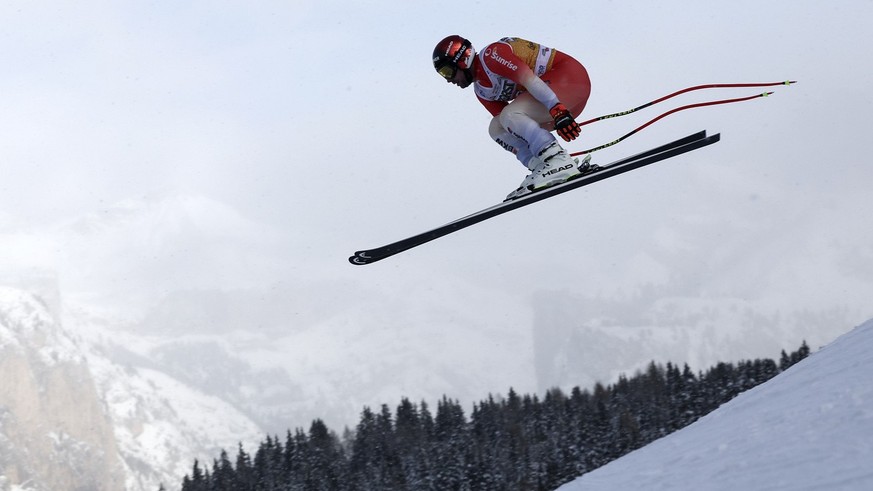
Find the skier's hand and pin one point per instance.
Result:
(566, 126)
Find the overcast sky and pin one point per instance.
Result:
(325, 123)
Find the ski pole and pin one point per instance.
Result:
(682, 108)
(683, 91)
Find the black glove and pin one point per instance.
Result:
(566, 126)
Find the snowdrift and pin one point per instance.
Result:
(808, 428)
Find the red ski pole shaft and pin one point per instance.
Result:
(683, 91)
(682, 108)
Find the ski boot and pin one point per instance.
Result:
(551, 166)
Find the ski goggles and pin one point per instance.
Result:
(447, 71)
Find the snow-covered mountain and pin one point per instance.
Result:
(179, 278)
(196, 338)
(808, 428)
(71, 418)
(189, 315)
(629, 333)
(53, 429)
(189, 286)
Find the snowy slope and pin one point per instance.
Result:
(809, 428)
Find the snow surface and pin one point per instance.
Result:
(809, 428)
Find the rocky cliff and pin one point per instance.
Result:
(54, 429)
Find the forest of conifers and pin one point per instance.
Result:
(511, 442)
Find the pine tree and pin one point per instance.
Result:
(325, 465)
(409, 438)
(801, 353)
(363, 461)
(198, 481)
(784, 361)
(490, 445)
(224, 477)
(244, 473)
(427, 466)
(268, 465)
(450, 446)
(295, 460)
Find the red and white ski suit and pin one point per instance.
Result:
(518, 81)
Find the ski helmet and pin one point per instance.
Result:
(454, 53)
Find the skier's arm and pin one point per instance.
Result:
(537, 88)
(565, 124)
(506, 63)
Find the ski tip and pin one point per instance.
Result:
(360, 258)
(368, 257)
(789, 82)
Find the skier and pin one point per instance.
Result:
(530, 90)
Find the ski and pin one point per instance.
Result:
(672, 149)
